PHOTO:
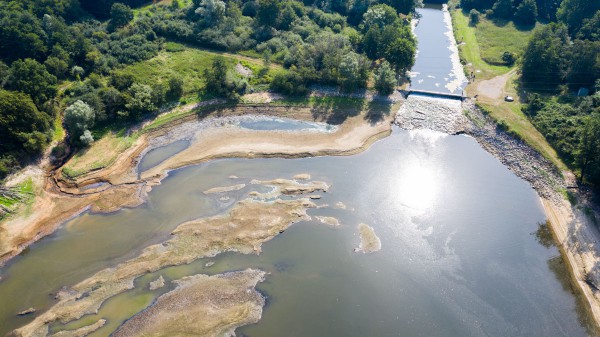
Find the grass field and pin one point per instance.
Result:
(496, 37)
(101, 154)
(26, 192)
(484, 44)
(187, 63)
(470, 51)
(511, 114)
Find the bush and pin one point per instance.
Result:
(79, 117)
(474, 17)
(175, 88)
(385, 79)
(508, 58)
(290, 83)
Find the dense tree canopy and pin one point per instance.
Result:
(22, 126)
(81, 46)
(31, 77)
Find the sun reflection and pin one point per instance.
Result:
(417, 185)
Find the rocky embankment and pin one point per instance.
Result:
(575, 234)
(456, 117)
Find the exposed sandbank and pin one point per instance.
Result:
(223, 189)
(369, 241)
(577, 240)
(243, 229)
(201, 305)
(63, 198)
(328, 220)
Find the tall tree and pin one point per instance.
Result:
(401, 54)
(31, 77)
(21, 35)
(573, 12)
(380, 16)
(544, 60)
(268, 12)
(211, 11)
(503, 9)
(526, 12)
(354, 71)
(22, 126)
(588, 154)
(584, 65)
(385, 79)
(120, 14)
(79, 117)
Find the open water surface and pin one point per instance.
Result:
(460, 255)
(459, 252)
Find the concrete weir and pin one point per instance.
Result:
(437, 94)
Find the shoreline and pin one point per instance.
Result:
(61, 199)
(127, 190)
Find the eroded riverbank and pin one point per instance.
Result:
(119, 185)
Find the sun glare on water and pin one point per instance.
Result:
(417, 180)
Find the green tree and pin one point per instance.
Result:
(79, 117)
(120, 14)
(371, 42)
(588, 152)
(56, 67)
(22, 126)
(402, 6)
(211, 11)
(268, 12)
(140, 101)
(380, 16)
(584, 65)
(401, 54)
(175, 87)
(590, 30)
(544, 60)
(32, 78)
(21, 36)
(573, 12)
(4, 71)
(216, 77)
(526, 12)
(474, 17)
(353, 71)
(385, 79)
(86, 138)
(503, 9)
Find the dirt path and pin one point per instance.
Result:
(494, 87)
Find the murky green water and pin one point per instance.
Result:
(458, 255)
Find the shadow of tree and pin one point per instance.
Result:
(335, 110)
(377, 110)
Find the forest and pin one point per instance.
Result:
(60, 60)
(560, 73)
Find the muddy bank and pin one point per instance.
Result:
(119, 185)
(201, 305)
(243, 229)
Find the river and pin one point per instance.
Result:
(460, 234)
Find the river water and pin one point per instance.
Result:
(460, 253)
